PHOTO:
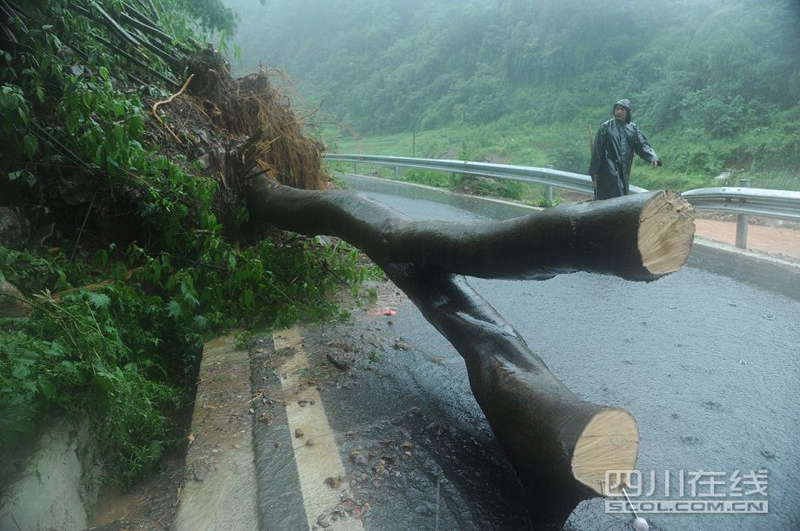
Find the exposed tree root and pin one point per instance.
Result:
(169, 100)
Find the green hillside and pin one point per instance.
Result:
(715, 84)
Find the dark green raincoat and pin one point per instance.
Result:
(612, 154)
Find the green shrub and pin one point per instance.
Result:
(121, 309)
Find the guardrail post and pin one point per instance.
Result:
(355, 167)
(550, 195)
(395, 172)
(742, 221)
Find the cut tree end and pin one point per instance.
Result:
(666, 232)
(610, 441)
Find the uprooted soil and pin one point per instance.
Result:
(235, 129)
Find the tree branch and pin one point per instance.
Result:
(559, 444)
(637, 237)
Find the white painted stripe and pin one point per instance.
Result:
(321, 460)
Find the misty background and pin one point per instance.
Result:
(715, 83)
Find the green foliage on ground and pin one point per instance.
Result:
(127, 352)
(135, 271)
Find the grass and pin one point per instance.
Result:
(691, 158)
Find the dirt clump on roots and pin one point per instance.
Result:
(236, 128)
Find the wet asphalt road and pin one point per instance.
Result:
(709, 366)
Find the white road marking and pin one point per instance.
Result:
(319, 461)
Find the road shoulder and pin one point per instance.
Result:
(219, 491)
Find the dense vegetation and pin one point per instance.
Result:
(715, 83)
(111, 234)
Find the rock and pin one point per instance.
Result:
(199, 474)
(358, 458)
(345, 346)
(723, 177)
(425, 509)
(766, 453)
(399, 344)
(298, 433)
(12, 303)
(342, 360)
(13, 228)
(333, 482)
(690, 440)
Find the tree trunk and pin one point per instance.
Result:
(559, 444)
(636, 237)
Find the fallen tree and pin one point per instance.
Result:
(560, 445)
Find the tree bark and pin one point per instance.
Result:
(559, 444)
(536, 419)
(636, 237)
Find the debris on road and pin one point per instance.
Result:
(399, 344)
(333, 482)
(342, 360)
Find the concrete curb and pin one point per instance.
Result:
(760, 270)
(219, 491)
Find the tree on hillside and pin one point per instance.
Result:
(385, 67)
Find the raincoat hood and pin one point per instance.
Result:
(626, 104)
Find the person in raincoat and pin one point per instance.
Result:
(612, 153)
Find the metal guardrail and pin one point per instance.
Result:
(743, 201)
